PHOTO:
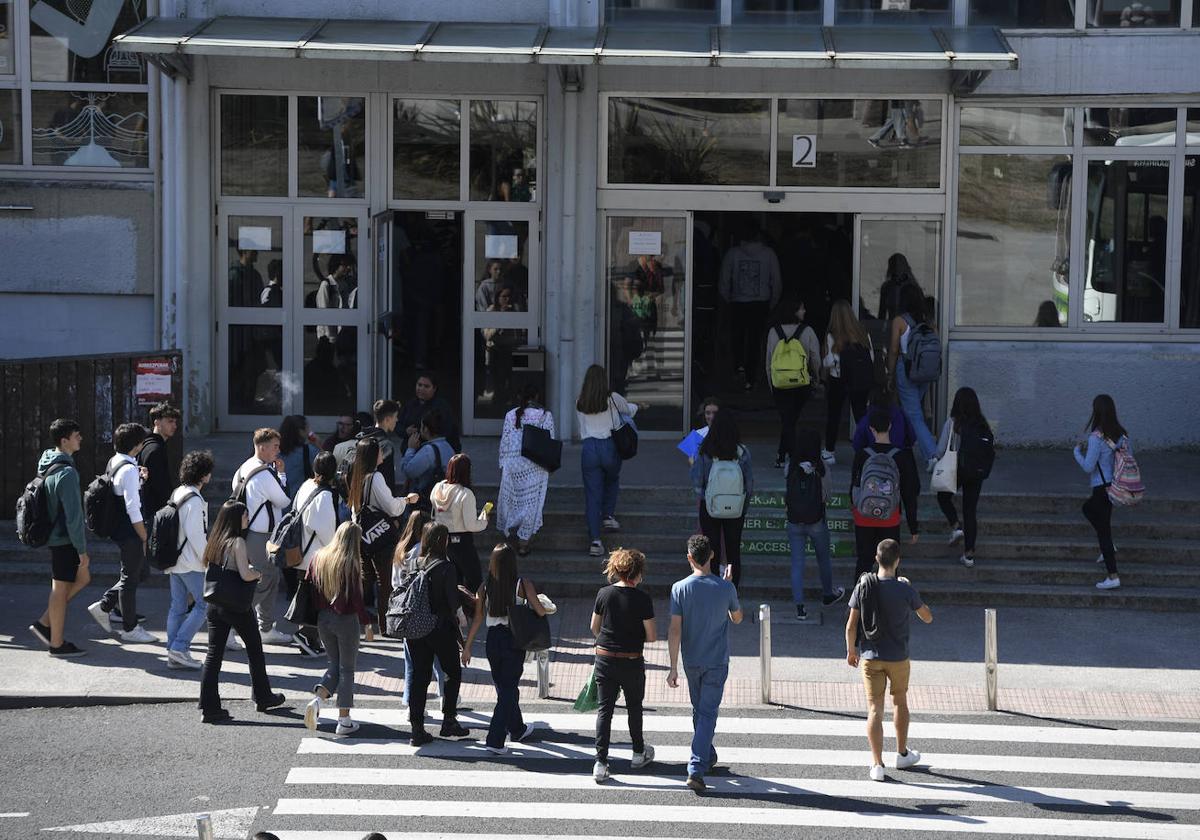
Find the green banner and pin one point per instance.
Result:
(778, 524)
(774, 499)
(841, 547)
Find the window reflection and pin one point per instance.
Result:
(8, 53)
(331, 138)
(426, 148)
(1125, 14)
(72, 128)
(503, 151)
(1129, 126)
(330, 264)
(664, 11)
(1189, 298)
(255, 246)
(256, 377)
(495, 385)
(501, 264)
(10, 126)
(1032, 14)
(254, 145)
(979, 126)
(71, 41)
(891, 12)
(330, 370)
(776, 11)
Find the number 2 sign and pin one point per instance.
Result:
(804, 150)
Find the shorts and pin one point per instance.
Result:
(878, 673)
(64, 563)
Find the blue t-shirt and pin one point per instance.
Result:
(703, 602)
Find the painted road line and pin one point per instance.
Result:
(1163, 739)
(227, 823)
(592, 813)
(761, 756)
(14, 815)
(427, 778)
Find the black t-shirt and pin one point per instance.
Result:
(622, 610)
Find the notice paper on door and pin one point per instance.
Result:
(645, 243)
(329, 241)
(500, 246)
(254, 239)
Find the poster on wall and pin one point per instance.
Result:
(500, 247)
(329, 241)
(254, 239)
(645, 243)
(804, 151)
(152, 383)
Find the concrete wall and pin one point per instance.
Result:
(1039, 393)
(37, 326)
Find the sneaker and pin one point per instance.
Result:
(967, 561)
(830, 600)
(801, 613)
(346, 726)
(828, 457)
(454, 729)
(274, 637)
(183, 659)
(908, 759)
(307, 648)
(419, 738)
(874, 143)
(138, 636)
(67, 651)
(599, 772)
(596, 549)
(100, 616)
(1109, 583)
(529, 729)
(956, 536)
(274, 701)
(696, 782)
(643, 758)
(610, 523)
(41, 631)
(218, 716)
(234, 642)
(312, 713)
(1100, 559)
(502, 750)
(877, 774)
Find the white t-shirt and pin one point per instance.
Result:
(600, 426)
(319, 519)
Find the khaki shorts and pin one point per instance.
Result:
(877, 673)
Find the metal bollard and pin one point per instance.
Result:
(764, 650)
(204, 827)
(543, 674)
(990, 656)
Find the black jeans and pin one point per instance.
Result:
(969, 521)
(866, 540)
(441, 644)
(614, 675)
(1098, 510)
(835, 399)
(790, 403)
(377, 584)
(748, 322)
(728, 532)
(124, 592)
(463, 554)
(220, 622)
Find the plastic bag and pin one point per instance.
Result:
(588, 700)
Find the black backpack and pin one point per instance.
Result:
(976, 452)
(858, 368)
(805, 498)
(102, 507)
(162, 545)
(239, 495)
(33, 510)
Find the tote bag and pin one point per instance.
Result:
(530, 631)
(303, 609)
(539, 447)
(224, 588)
(624, 434)
(945, 471)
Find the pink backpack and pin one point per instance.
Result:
(1126, 487)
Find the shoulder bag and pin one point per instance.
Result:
(945, 471)
(225, 588)
(530, 631)
(540, 447)
(303, 609)
(624, 434)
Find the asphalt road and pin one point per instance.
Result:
(145, 770)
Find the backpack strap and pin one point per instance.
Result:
(779, 332)
(304, 507)
(239, 493)
(796, 333)
(178, 507)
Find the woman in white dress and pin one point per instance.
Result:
(522, 482)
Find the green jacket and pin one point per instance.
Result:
(65, 501)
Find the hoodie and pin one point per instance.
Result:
(454, 507)
(65, 501)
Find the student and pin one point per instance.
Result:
(709, 406)
(623, 623)
(1105, 435)
(159, 482)
(442, 644)
(259, 483)
(912, 395)
(599, 411)
(877, 508)
(337, 588)
(425, 399)
(69, 562)
(750, 283)
(187, 575)
(130, 536)
(523, 484)
(345, 428)
(297, 451)
(503, 588)
(881, 604)
(723, 443)
(425, 460)
(227, 547)
(805, 505)
(404, 563)
(454, 506)
(788, 325)
(702, 608)
(318, 522)
(850, 381)
(900, 430)
(386, 414)
(965, 416)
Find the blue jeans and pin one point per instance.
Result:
(706, 687)
(507, 662)
(911, 396)
(601, 481)
(182, 625)
(798, 536)
(408, 673)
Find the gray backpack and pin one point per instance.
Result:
(923, 358)
(410, 614)
(877, 494)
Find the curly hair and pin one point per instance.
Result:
(627, 564)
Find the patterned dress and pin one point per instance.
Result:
(522, 482)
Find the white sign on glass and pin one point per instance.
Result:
(500, 246)
(329, 241)
(645, 243)
(895, 5)
(254, 239)
(804, 150)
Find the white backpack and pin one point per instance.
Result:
(725, 492)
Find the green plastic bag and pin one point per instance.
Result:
(588, 701)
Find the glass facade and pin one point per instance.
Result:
(426, 148)
(893, 12)
(503, 156)
(665, 11)
(777, 11)
(70, 41)
(1118, 14)
(1189, 298)
(1124, 126)
(1023, 14)
(1022, 126)
(331, 146)
(254, 145)
(90, 128)
(10, 126)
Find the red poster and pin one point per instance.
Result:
(153, 381)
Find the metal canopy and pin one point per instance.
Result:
(169, 41)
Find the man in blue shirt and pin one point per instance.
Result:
(702, 606)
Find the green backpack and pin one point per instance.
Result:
(789, 361)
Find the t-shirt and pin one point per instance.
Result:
(897, 600)
(703, 602)
(622, 609)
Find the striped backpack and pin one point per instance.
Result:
(1126, 487)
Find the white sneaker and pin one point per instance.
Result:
(969, 562)
(312, 713)
(345, 726)
(1100, 559)
(274, 637)
(877, 774)
(1109, 583)
(529, 729)
(497, 750)
(183, 659)
(643, 758)
(234, 642)
(139, 636)
(828, 457)
(100, 617)
(956, 536)
(610, 523)
(596, 549)
(599, 772)
(911, 759)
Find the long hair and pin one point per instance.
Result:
(366, 461)
(417, 520)
(337, 568)
(808, 448)
(912, 302)
(1104, 418)
(434, 540)
(291, 433)
(898, 268)
(224, 532)
(845, 328)
(501, 584)
(530, 394)
(723, 438)
(593, 395)
(965, 410)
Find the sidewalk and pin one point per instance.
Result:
(1076, 664)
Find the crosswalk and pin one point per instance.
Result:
(791, 775)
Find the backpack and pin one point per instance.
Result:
(976, 452)
(409, 612)
(284, 547)
(877, 495)
(725, 490)
(423, 487)
(162, 544)
(33, 510)
(923, 358)
(1126, 487)
(789, 361)
(239, 495)
(858, 367)
(102, 508)
(379, 532)
(805, 496)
